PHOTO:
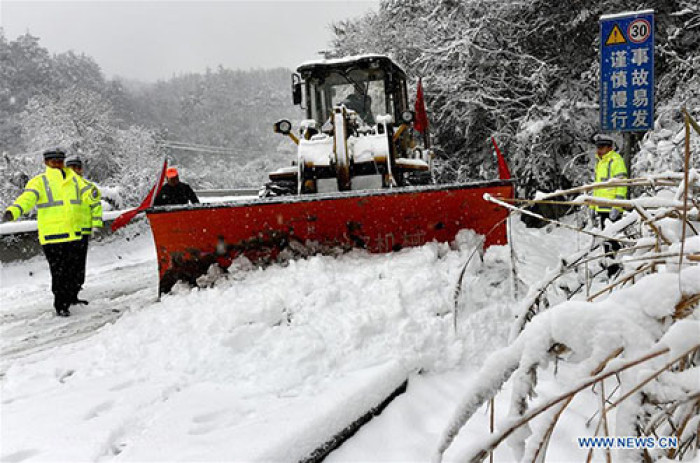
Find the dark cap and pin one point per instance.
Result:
(74, 161)
(54, 153)
(602, 139)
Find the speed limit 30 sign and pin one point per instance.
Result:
(639, 30)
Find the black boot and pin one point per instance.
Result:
(613, 270)
(77, 301)
(62, 310)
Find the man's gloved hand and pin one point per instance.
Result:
(7, 217)
(615, 214)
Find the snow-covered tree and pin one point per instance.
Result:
(77, 119)
(124, 161)
(526, 72)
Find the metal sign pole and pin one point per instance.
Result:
(627, 140)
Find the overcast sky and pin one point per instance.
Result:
(151, 40)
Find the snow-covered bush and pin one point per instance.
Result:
(123, 161)
(663, 148)
(139, 157)
(78, 120)
(639, 329)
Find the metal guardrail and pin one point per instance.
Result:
(18, 239)
(30, 226)
(230, 192)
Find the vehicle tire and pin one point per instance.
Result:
(273, 189)
(418, 178)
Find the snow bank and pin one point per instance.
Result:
(196, 370)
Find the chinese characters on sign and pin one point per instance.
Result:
(627, 71)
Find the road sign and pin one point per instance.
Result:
(627, 71)
(639, 30)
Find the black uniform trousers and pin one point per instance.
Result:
(64, 262)
(80, 277)
(609, 246)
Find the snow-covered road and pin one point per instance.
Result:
(121, 275)
(263, 366)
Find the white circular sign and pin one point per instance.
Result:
(639, 30)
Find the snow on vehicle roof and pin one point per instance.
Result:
(346, 60)
(624, 14)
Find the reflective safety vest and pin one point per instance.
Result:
(57, 196)
(91, 210)
(611, 165)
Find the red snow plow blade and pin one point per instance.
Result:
(189, 239)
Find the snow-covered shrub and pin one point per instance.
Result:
(124, 162)
(664, 147)
(139, 157)
(640, 327)
(77, 120)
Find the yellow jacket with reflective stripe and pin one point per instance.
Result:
(91, 210)
(611, 165)
(56, 195)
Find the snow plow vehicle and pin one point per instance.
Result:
(361, 179)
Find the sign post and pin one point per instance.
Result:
(627, 74)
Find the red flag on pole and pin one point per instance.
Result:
(421, 122)
(503, 171)
(147, 202)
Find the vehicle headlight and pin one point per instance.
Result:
(284, 127)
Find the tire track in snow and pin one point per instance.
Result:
(29, 325)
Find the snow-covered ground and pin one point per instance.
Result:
(266, 364)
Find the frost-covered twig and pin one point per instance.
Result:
(495, 371)
(458, 286)
(604, 420)
(684, 307)
(518, 210)
(649, 378)
(538, 290)
(667, 179)
(550, 427)
(686, 171)
(584, 200)
(652, 376)
(481, 453)
(625, 278)
(648, 221)
(655, 420)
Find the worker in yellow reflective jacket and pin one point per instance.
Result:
(90, 218)
(609, 165)
(56, 193)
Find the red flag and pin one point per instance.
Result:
(503, 171)
(147, 202)
(421, 122)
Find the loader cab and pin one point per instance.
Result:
(357, 134)
(370, 85)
